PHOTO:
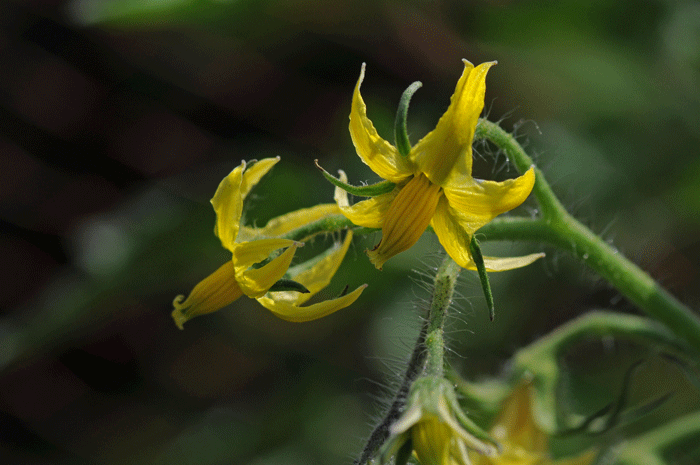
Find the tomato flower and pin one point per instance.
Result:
(433, 182)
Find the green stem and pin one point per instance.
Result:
(559, 228)
(649, 448)
(443, 289)
(540, 359)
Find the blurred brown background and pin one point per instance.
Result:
(118, 119)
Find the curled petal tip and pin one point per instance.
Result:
(179, 318)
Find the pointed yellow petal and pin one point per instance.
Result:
(478, 202)
(214, 292)
(253, 174)
(369, 213)
(291, 312)
(256, 282)
(378, 154)
(494, 264)
(282, 225)
(406, 219)
(453, 237)
(449, 146)
(228, 205)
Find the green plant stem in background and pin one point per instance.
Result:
(539, 360)
(649, 448)
(443, 289)
(559, 228)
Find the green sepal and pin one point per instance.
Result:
(478, 258)
(403, 145)
(288, 285)
(363, 191)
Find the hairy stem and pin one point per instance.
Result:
(559, 228)
(443, 289)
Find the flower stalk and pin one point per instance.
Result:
(557, 227)
(443, 289)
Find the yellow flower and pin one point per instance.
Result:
(439, 431)
(250, 246)
(434, 185)
(522, 441)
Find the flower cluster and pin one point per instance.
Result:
(250, 247)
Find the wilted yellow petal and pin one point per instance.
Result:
(378, 154)
(228, 205)
(213, 293)
(291, 312)
(255, 282)
(406, 219)
(449, 145)
(478, 202)
(256, 171)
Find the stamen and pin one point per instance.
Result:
(407, 218)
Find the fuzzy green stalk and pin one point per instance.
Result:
(559, 228)
(440, 301)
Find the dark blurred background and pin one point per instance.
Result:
(118, 119)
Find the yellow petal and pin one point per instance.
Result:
(282, 225)
(214, 292)
(515, 423)
(449, 146)
(369, 213)
(478, 202)
(256, 282)
(253, 174)
(378, 154)
(494, 264)
(247, 254)
(291, 312)
(406, 219)
(228, 205)
(431, 441)
(455, 240)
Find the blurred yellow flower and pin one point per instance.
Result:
(522, 441)
(434, 185)
(250, 246)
